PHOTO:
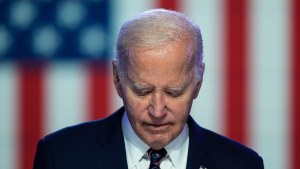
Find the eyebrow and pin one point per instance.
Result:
(176, 89)
(180, 88)
(138, 86)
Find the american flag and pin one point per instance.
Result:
(55, 71)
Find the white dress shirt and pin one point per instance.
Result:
(136, 149)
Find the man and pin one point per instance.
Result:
(158, 72)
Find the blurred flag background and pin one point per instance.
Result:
(55, 71)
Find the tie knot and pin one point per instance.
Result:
(156, 157)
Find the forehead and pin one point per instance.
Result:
(165, 65)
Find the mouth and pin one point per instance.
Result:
(157, 128)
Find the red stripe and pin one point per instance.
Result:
(295, 88)
(31, 109)
(98, 90)
(169, 4)
(236, 69)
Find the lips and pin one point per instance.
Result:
(157, 128)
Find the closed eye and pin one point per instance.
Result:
(174, 94)
(142, 92)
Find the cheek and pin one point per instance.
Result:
(181, 108)
(138, 104)
(135, 106)
(130, 99)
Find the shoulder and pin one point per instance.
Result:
(222, 145)
(71, 147)
(230, 153)
(87, 133)
(76, 146)
(222, 152)
(86, 130)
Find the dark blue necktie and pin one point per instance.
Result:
(156, 157)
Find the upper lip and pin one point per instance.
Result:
(157, 124)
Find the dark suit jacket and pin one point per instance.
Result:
(100, 145)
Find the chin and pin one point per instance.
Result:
(157, 142)
(157, 145)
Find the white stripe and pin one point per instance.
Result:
(270, 81)
(126, 9)
(8, 116)
(66, 95)
(115, 101)
(121, 12)
(207, 108)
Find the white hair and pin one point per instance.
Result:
(152, 29)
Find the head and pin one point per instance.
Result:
(158, 72)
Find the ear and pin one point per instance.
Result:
(199, 83)
(116, 78)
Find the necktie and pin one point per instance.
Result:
(156, 157)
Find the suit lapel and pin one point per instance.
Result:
(112, 152)
(198, 149)
(110, 137)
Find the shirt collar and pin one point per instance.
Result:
(136, 149)
(178, 147)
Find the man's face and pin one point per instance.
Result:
(158, 92)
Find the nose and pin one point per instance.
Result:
(158, 105)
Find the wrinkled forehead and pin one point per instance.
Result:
(172, 61)
(173, 53)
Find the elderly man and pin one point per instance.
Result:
(158, 73)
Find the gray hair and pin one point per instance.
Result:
(152, 29)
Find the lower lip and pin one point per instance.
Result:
(156, 129)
